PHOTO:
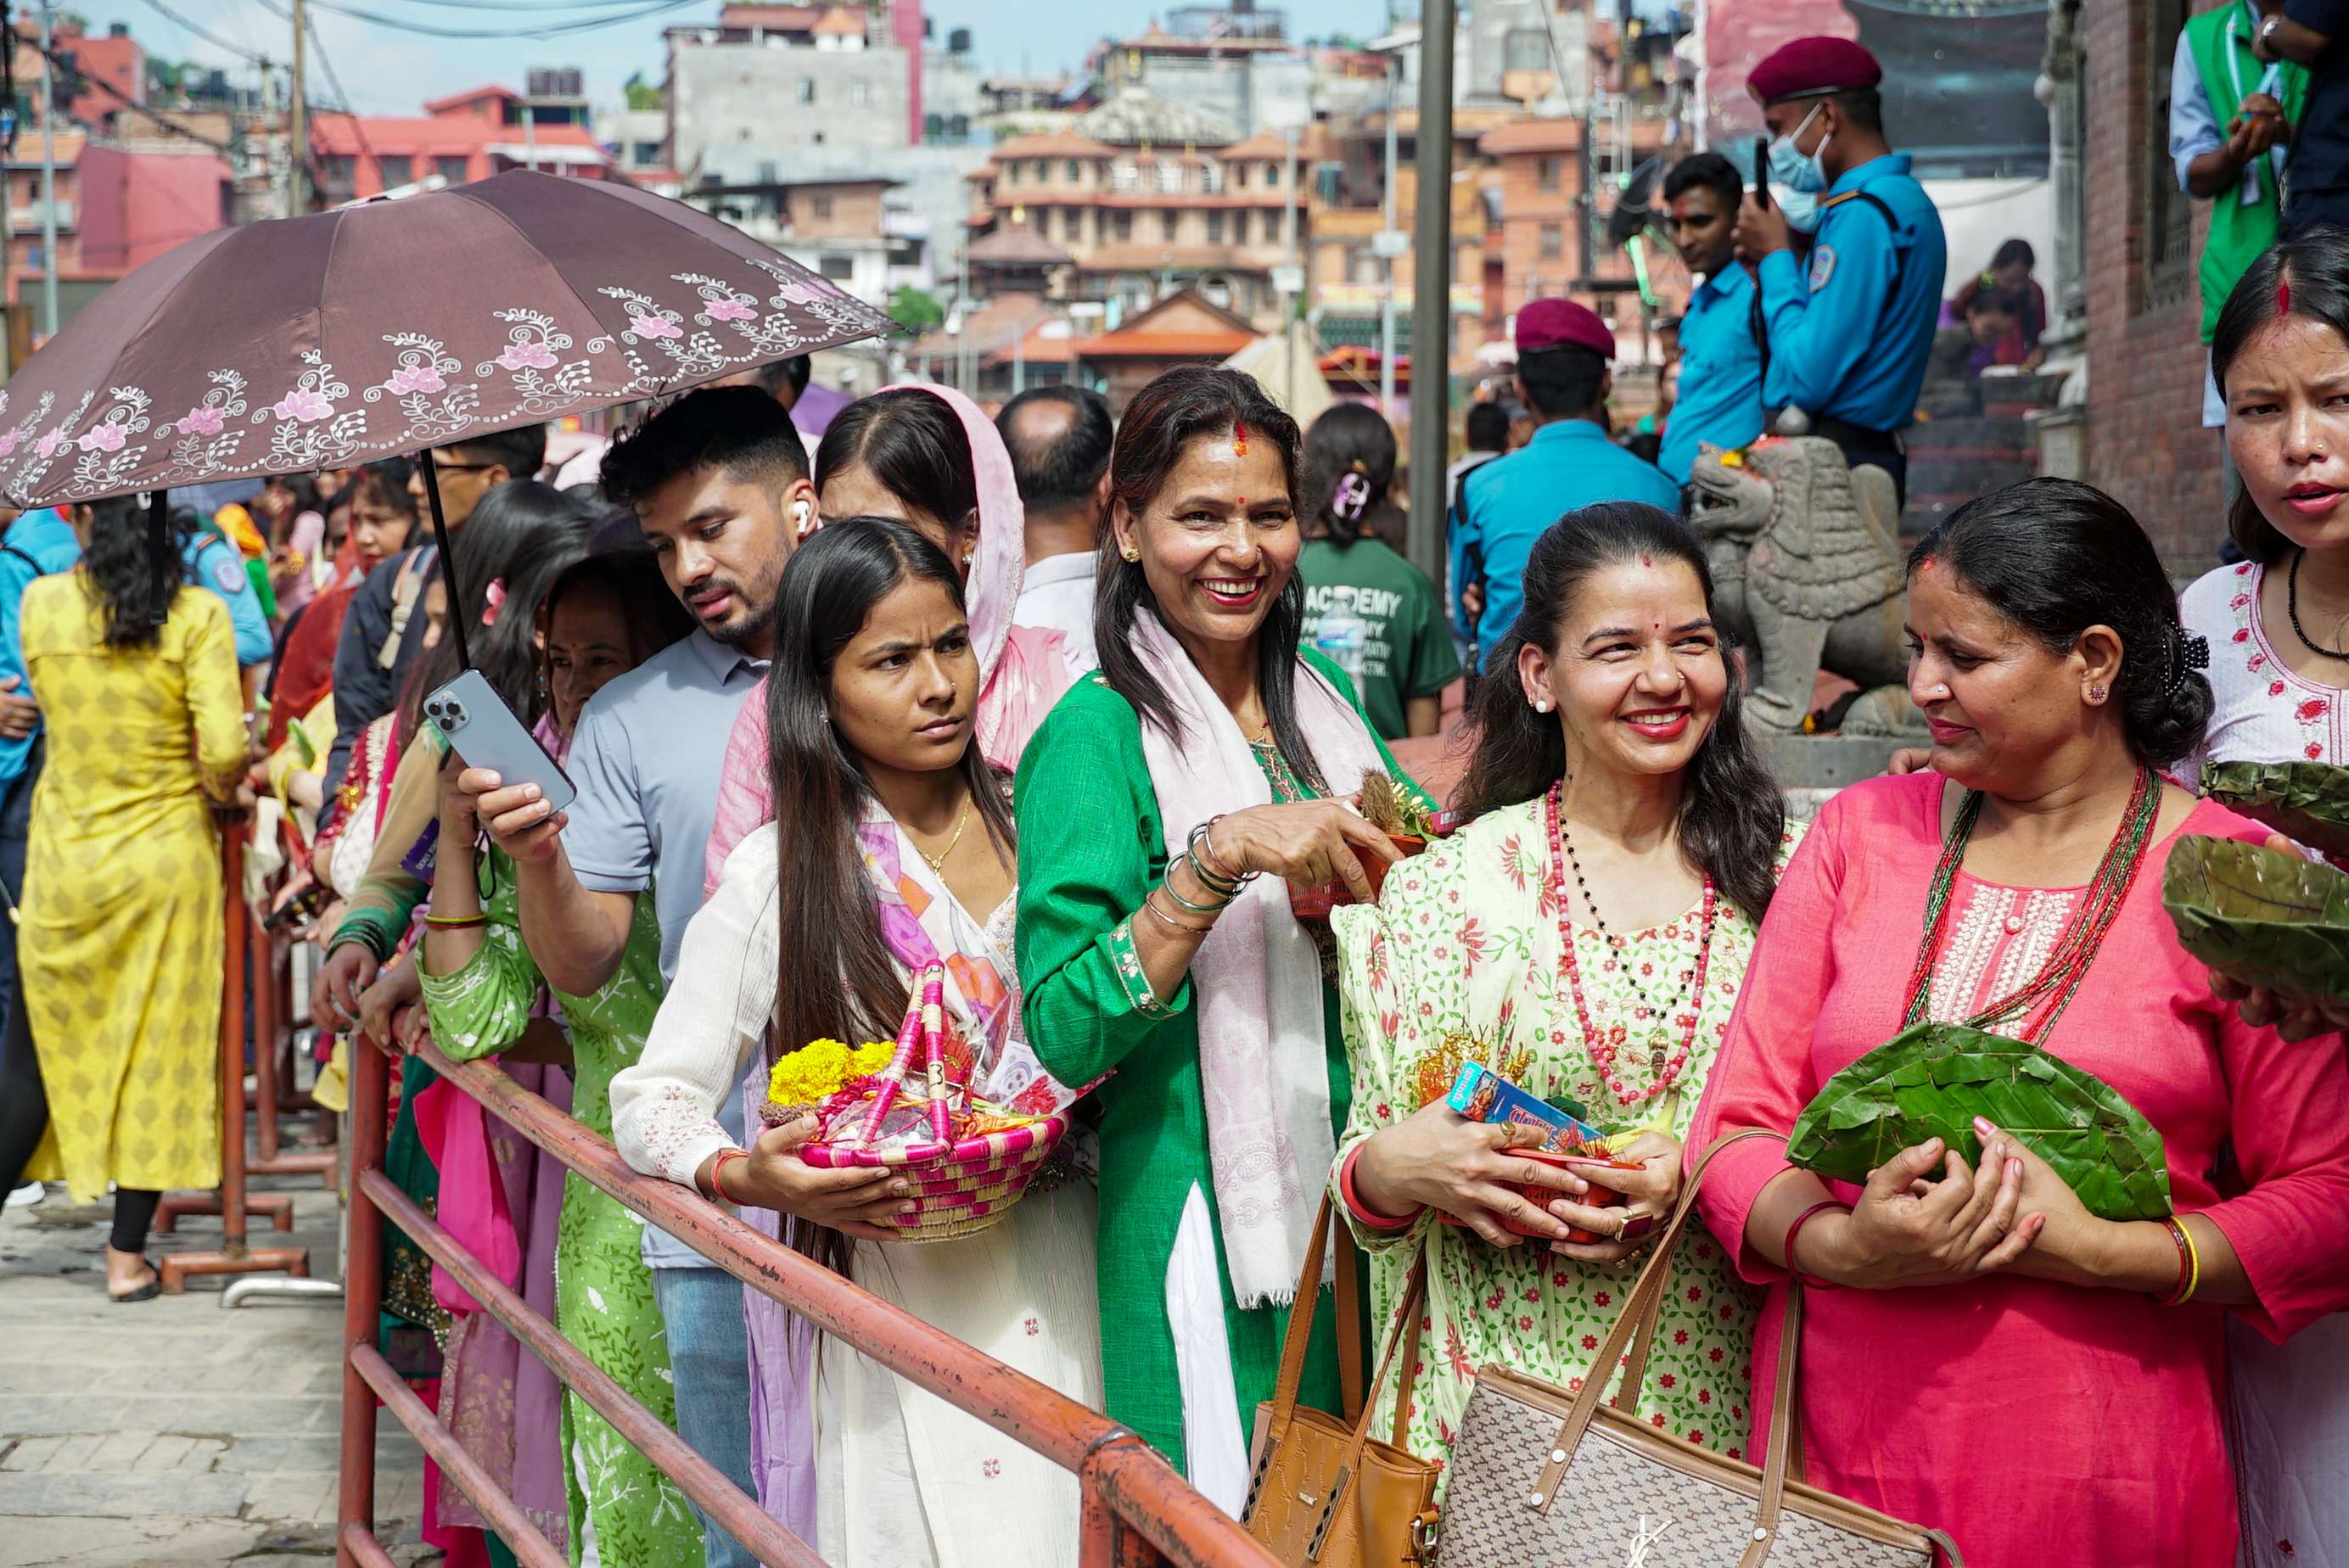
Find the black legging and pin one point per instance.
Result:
(24, 1116)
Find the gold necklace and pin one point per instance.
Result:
(939, 860)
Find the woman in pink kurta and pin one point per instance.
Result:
(2027, 1393)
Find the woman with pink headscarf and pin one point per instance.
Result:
(927, 457)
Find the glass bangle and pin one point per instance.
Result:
(1167, 887)
(1203, 833)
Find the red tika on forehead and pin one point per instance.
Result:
(1240, 438)
(2283, 297)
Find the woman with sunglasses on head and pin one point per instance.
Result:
(2014, 887)
(925, 457)
(1583, 935)
(2277, 628)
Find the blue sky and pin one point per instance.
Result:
(389, 71)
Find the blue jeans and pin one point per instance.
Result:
(710, 1356)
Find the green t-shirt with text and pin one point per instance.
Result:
(1374, 615)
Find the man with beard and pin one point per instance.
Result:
(719, 481)
(1720, 397)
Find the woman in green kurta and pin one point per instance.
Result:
(1163, 807)
(480, 988)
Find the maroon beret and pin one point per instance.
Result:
(1809, 67)
(1562, 324)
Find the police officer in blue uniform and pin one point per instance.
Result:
(209, 561)
(1848, 334)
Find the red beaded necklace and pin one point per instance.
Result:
(1666, 1064)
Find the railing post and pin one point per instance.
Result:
(362, 1294)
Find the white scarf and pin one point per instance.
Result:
(1256, 979)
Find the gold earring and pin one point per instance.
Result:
(1130, 553)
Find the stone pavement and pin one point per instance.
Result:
(174, 1432)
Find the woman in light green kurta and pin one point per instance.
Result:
(1586, 936)
(482, 990)
(1203, 755)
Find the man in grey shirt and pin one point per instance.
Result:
(719, 482)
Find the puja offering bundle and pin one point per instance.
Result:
(1540, 1131)
(967, 1157)
(2261, 916)
(2307, 802)
(1407, 821)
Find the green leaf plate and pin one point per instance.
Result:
(2305, 801)
(2261, 916)
(1933, 1080)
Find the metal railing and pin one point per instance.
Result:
(1136, 1511)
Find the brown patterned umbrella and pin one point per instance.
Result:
(336, 339)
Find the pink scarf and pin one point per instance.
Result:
(1021, 669)
(1263, 1058)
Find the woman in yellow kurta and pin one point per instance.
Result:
(122, 931)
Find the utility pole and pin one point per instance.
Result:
(298, 115)
(1386, 233)
(48, 180)
(1431, 299)
(1294, 272)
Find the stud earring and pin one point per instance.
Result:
(1131, 553)
(1541, 705)
(2095, 693)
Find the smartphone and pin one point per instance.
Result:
(484, 733)
(1762, 170)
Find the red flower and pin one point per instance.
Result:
(2315, 751)
(2242, 634)
(1657, 1420)
(2275, 688)
(1492, 1302)
(1668, 1381)
(1714, 1355)
(2314, 708)
(1590, 1342)
(2244, 570)
(1602, 1299)
(1680, 1336)
(2238, 600)
(1526, 1323)
(1736, 1454)
(1533, 1294)
(1704, 1396)
(1695, 1293)
(1695, 1437)
(1559, 1279)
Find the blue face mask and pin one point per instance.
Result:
(1802, 210)
(1796, 170)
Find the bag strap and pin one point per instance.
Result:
(1651, 1284)
(1348, 1290)
(1300, 1322)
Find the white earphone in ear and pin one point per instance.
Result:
(801, 511)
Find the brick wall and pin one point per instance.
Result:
(2146, 443)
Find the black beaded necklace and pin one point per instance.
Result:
(2292, 608)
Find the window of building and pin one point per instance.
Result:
(1240, 176)
(1545, 172)
(958, 127)
(1169, 225)
(860, 92)
(838, 269)
(1240, 227)
(1272, 176)
(1012, 174)
(934, 126)
(340, 176)
(1125, 225)
(2169, 261)
(1125, 177)
(1215, 228)
(453, 169)
(1553, 241)
(645, 154)
(1072, 223)
(818, 206)
(1041, 171)
(807, 90)
(1073, 172)
(396, 170)
(769, 172)
(1211, 178)
(1170, 178)
(1526, 50)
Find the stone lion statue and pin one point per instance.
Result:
(1807, 569)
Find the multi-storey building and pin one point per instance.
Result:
(829, 76)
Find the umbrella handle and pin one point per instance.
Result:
(447, 560)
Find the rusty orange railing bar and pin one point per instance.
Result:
(1137, 1512)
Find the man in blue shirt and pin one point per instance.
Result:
(209, 561)
(34, 545)
(1572, 462)
(1848, 341)
(1720, 352)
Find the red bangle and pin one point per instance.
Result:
(1361, 1211)
(1796, 1230)
(715, 1188)
(2184, 1263)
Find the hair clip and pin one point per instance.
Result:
(495, 597)
(2187, 655)
(1353, 496)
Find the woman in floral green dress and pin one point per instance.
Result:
(1585, 935)
(483, 994)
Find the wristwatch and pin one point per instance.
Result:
(2267, 31)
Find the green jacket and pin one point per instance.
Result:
(2221, 42)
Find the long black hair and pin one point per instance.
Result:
(2056, 557)
(837, 978)
(521, 537)
(632, 576)
(1733, 816)
(1349, 469)
(133, 569)
(1163, 418)
(2313, 264)
(913, 444)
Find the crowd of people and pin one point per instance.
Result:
(1048, 722)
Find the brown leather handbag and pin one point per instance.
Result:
(1323, 1492)
(1543, 1478)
